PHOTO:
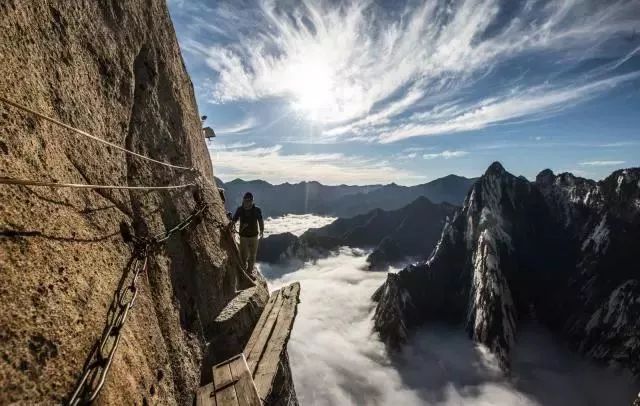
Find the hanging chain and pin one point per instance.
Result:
(180, 226)
(100, 358)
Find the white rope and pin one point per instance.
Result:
(26, 182)
(86, 134)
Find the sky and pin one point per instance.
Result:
(367, 92)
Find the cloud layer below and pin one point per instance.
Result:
(295, 223)
(336, 360)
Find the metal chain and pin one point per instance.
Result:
(162, 237)
(157, 239)
(100, 358)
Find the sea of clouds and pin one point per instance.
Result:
(337, 360)
(295, 223)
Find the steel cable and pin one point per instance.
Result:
(26, 182)
(86, 134)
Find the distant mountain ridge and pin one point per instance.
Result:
(409, 232)
(342, 200)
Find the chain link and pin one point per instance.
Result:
(100, 358)
(162, 237)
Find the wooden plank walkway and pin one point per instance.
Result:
(232, 385)
(270, 336)
(242, 381)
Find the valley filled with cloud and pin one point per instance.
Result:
(337, 359)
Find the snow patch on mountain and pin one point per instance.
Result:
(599, 237)
(490, 299)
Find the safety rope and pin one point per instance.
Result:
(13, 181)
(98, 363)
(86, 134)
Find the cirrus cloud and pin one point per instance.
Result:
(602, 163)
(446, 154)
(367, 72)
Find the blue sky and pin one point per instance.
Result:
(362, 92)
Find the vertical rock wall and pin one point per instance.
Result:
(114, 69)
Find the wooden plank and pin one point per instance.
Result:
(253, 356)
(241, 381)
(245, 388)
(205, 396)
(225, 391)
(261, 322)
(268, 364)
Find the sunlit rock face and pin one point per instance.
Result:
(112, 68)
(559, 250)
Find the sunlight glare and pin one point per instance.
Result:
(312, 85)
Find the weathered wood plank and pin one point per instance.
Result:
(205, 396)
(268, 363)
(241, 381)
(223, 383)
(261, 322)
(245, 389)
(253, 356)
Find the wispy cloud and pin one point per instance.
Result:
(239, 128)
(602, 163)
(531, 103)
(272, 164)
(233, 145)
(410, 155)
(618, 144)
(413, 149)
(366, 73)
(446, 154)
(555, 144)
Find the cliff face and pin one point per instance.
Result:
(561, 250)
(114, 69)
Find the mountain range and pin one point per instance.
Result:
(561, 250)
(341, 200)
(394, 235)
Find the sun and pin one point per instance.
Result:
(312, 85)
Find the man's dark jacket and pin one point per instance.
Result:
(250, 219)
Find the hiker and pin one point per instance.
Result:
(251, 226)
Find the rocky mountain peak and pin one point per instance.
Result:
(624, 185)
(545, 177)
(495, 169)
(560, 249)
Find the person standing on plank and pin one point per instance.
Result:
(251, 227)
